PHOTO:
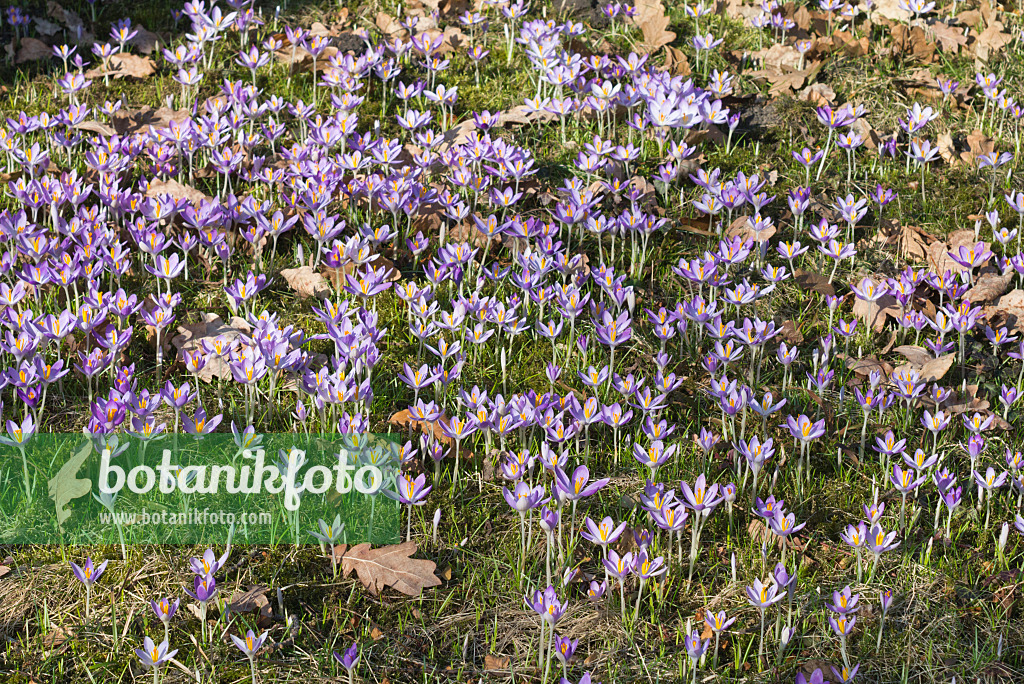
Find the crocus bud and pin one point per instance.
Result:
(1003, 535)
(729, 492)
(885, 599)
(569, 575)
(437, 520)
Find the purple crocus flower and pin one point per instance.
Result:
(411, 491)
(208, 564)
(546, 604)
(579, 486)
(250, 644)
(205, 588)
(349, 659)
(695, 646)
(88, 573)
(565, 649)
(762, 596)
(785, 525)
(804, 429)
(603, 534)
(701, 498)
(153, 655)
(816, 678)
(846, 674)
(844, 601)
(525, 498)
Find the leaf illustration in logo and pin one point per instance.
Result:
(66, 486)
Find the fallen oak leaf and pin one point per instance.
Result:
(125, 122)
(949, 38)
(124, 65)
(809, 280)
(145, 41)
(45, 27)
(676, 61)
(914, 354)
(912, 42)
(97, 127)
(868, 364)
(936, 369)
(389, 26)
(992, 40)
(390, 566)
(404, 419)
(874, 314)
(31, 50)
(650, 17)
(71, 19)
(306, 282)
(176, 190)
(978, 144)
(989, 287)
(253, 599)
(211, 327)
(818, 94)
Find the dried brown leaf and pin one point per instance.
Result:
(656, 33)
(126, 122)
(255, 598)
(390, 566)
(934, 370)
(306, 282)
(389, 26)
(404, 419)
(31, 50)
(914, 354)
(873, 314)
(951, 39)
(494, 663)
(45, 27)
(991, 40)
(818, 94)
(743, 227)
(947, 149)
(989, 287)
(850, 45)
(809, 280)
(96, 127)
(176, 190)
(978, 144)
(676, 62)
(211, 326)
(780, 57)
(521, 114)
(866, 365)
(761, 535)
(890, 9)
(913, 43)
(124, 65)
(790, 332)
(145, 41)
